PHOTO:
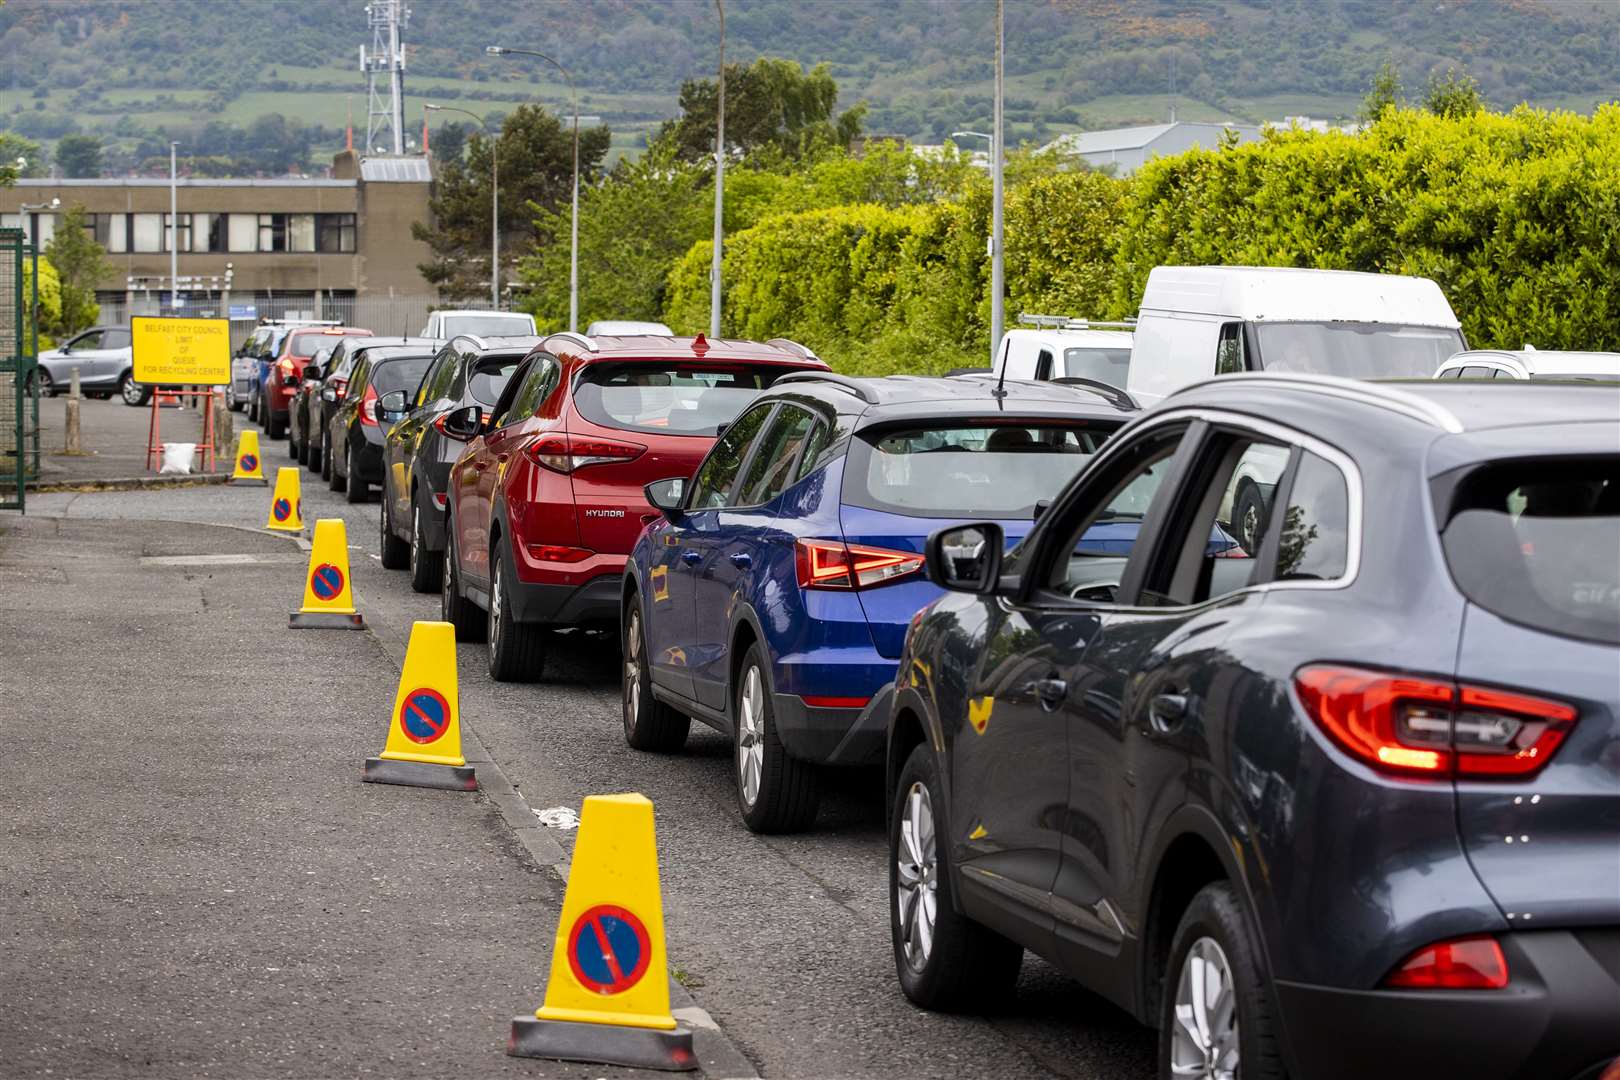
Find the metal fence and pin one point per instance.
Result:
(399, 315)
(19, 404)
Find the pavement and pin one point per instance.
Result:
(112, 440)
(783, 940)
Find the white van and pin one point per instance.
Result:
(1199, 321)
(1059, 347)
(449, 322)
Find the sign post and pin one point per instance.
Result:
(181, 353)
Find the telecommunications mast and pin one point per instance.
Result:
(386, 57)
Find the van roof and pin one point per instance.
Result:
(1282, 294)
(1064, 338)
(1542, 361)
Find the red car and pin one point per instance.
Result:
(547, 501)
(282, 375)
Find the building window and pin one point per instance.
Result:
(111, 231)
(184, 221)
(336, 233)
(146, 232)
(244, 232)
(272, 232)
(208, 232)
(300, 232)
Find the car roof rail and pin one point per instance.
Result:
(843, 382)
(1072, 322)
(1116, 396)
(958, 372)
(1408, 404)
(580, 339)
(793, 346)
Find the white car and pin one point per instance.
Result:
(626, 328)
(1531, 364)
(1063, 348)
(103, 356)
(450, 322)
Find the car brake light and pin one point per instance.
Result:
(831, 564)
(1426, 727)
(1474, 963)
(559, 553)
(564, 453)
(836, 702)
(339, 387)
(368, 407)
(286, 367)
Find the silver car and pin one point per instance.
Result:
(104, 358)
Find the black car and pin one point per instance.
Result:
(1344, 805)
(418, 449)
(318, 397)
(354, 436)
(309, 390)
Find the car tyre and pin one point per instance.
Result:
(1215, 953)
(275, 427)
(334, 482)
(133, 393)
(394, 552)
(232, 402)
(322, 461)
(425, 565)
(358, 490)
(253, 406)
(292, 446)
(517, 651)
(44, 383)
(776, 792)
(945, 961)
(649, 724)
(1249, 518)
(455, 609)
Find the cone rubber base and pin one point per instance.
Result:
(602, 1044)
(248, 481)
(325, 620)
(419, 774)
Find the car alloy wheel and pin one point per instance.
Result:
(1204, 1042)
(750, 736)
(649, 724)
(632, 674)
(131, 391)
(43, 380)
(495, 606)
(917, 877)
(419, 560)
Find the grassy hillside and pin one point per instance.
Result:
(125, 68)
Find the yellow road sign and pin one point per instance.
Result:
(184, 352)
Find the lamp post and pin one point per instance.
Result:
(494, 203)
(997, 152)
(174, 234)
(573, 229)
(719, 183)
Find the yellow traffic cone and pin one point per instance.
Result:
(328, 598)
(286, 504)
(607, 1000)
(249, 469)
(424, 736)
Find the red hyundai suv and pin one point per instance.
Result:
(548, 499)
(282, 375)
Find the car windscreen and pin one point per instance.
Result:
(950, 471)
(1356, 350)
(489, 377)
(1105, 365)
(398, 373)
(485, 325)
(1535, 542)
(675, 397)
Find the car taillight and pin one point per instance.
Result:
(831, 564)
(559, 553)
(368, 407)
(1474, 963)
(1429, 727)
(339, 387)
(564, 453)
(286, 367)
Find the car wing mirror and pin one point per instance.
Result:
(668, 497)
(1041, 507)
(463, 424)
(312, 373)
(966, 558)
(392, 406)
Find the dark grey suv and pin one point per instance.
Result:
(1343, 805)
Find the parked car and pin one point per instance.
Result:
(771, 599)
(1531, 364)
(1198, 321)
(261, 346)
(352, 449)
(308, 390)
(451, 323)
(627, 328)
(419, 449)
(1347, 808)
(278, 378)
(320, 397)
(1052, 347)
(103, 356)
(546, 504)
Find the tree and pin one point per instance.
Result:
(14, 146)
(1384, 94)
(81, 264)
(449, 142)
(79, 155)
(1454, 95)
(536, 159)
(772, 102)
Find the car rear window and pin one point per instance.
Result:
(308, 342)
(490, 376)
(486, 325)
(404, 373)
(675, 398)
(1105, 365)
(1536, 542)
(940, 470)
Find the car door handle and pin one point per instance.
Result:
(742, 561)
(479, 465)
(1167, 711)
(691, 558)
(1050, 692)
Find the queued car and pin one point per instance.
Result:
(420, 448)
(452, 322)
(260, 346)
(546, 503)
(352, 441)
(105, 360)
(279, 377)
(309, 388)
(627, 327)
(1349, 807)
(1531, 364)
(312, 405)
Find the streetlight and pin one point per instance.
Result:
(997, 152)
(573, 226)
(174, 234)
(719, 183)
(494, 203)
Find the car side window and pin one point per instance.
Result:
(718, 473)
(117, 339)
(772, 468)
(1476, 371)
(536, 384)
(1315, 540)
(815, 449)
(1229, 358)
(357, 382)
(1090, 565)
(91, 340)
(437, 383)
(1214, 536)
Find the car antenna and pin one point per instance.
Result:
(1001, 390)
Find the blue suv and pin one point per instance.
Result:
(771, 598)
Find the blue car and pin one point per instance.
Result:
(771, 598)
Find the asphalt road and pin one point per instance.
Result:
(784, 940)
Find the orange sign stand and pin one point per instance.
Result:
(203, 398)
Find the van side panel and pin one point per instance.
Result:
(1171, 350)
